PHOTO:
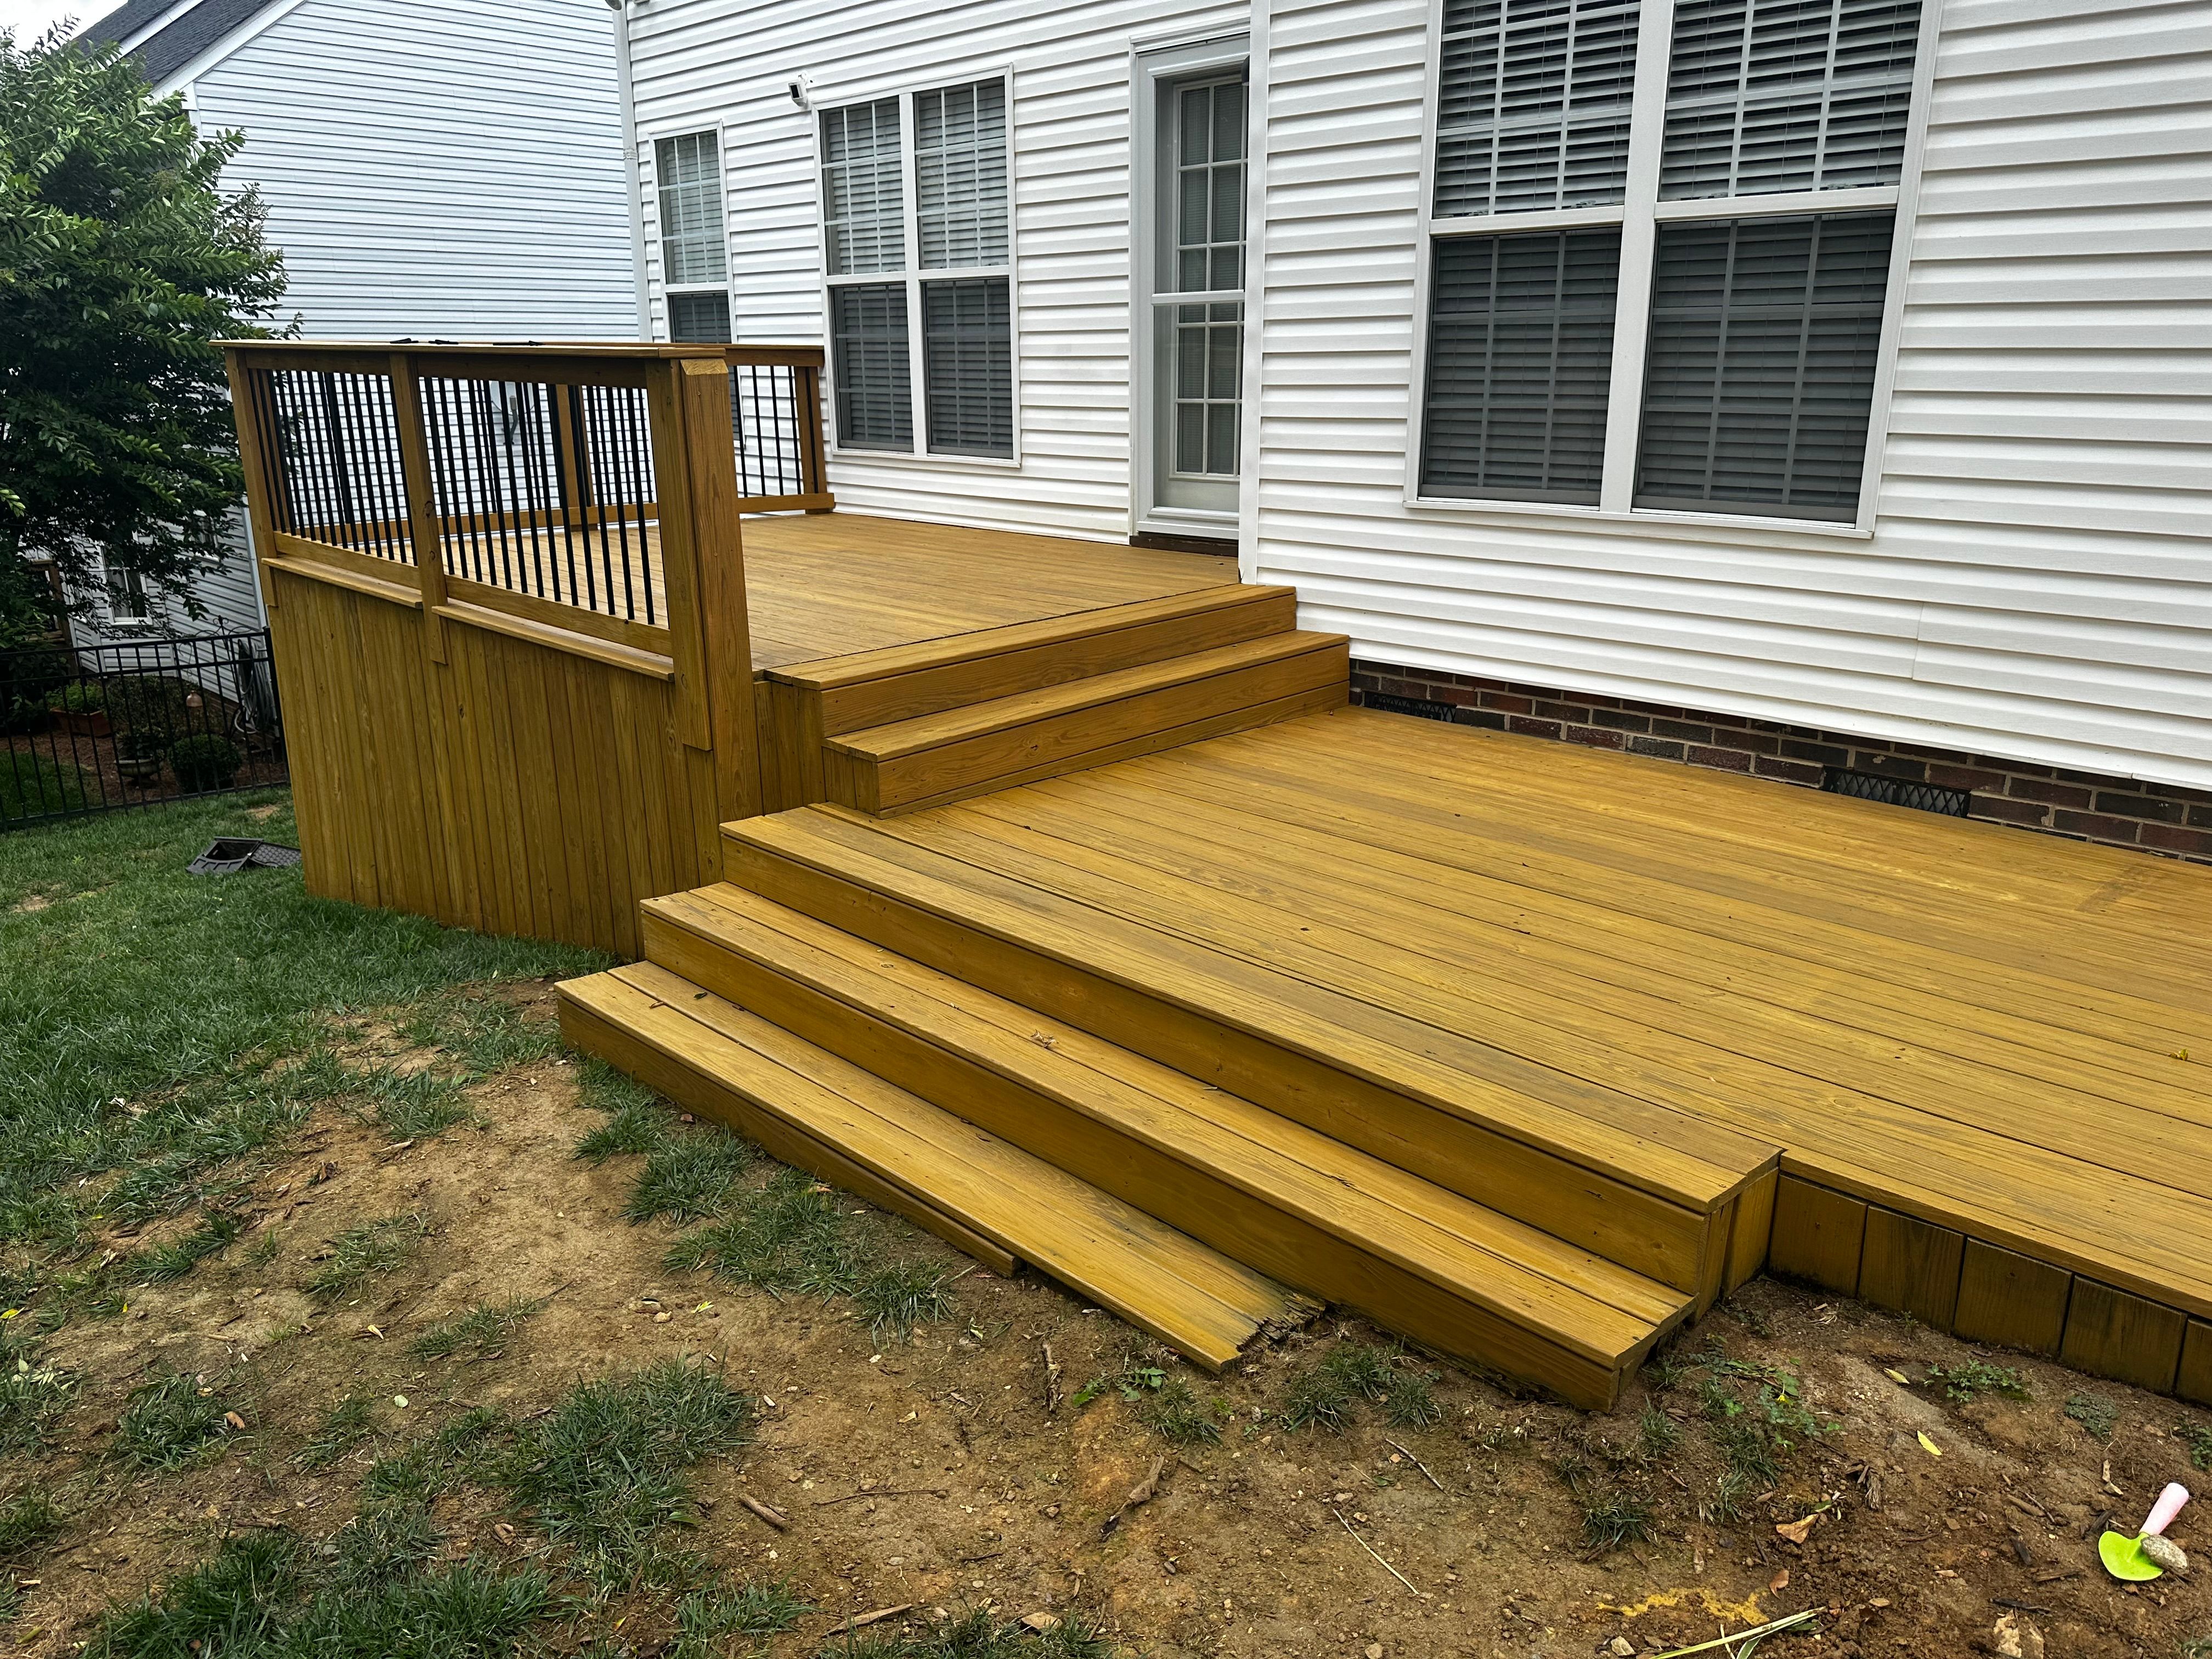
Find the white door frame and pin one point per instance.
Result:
(1150, 67)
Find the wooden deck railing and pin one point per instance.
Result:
(506, 593)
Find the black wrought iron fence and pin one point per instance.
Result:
(98, 728)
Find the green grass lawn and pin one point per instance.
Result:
(32, 787)
(126, 982)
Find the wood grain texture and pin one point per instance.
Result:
(1819, 1235)
(1910, 1266)
(2114, 1334)
(2194, 1380)
(2011, 1300)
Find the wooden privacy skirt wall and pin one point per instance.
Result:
(506, 595)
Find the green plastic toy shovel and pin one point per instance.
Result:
(2123, 1556)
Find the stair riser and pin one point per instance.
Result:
(850, 782)
(1639, 1231)
(1235, 1222)
(1007, 673)
(581, 1027)
(1067, 742)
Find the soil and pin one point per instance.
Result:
(932, 1473)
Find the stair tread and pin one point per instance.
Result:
(899, 739)
(1155, 1276)
(832, 673)
(1588, 1304)
(1678, 1158)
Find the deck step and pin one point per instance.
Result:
(1002, 741)
(1607, 1170)
(1290, 1202)
(1002, 1205)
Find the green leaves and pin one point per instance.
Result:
(121, 263)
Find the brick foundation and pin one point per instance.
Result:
(2150, 817)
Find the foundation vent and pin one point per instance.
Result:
(1897, 792)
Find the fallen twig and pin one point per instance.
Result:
(1141, 1493)
(900, 1492)
(876, 1617)
(1051, 1381)
(1369, 1548)
(1415, 1461)
(775, 1518)
(1757, 1633)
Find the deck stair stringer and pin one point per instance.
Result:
(1002, 1205)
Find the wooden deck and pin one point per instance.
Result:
(831, 585)
(1567, 1014)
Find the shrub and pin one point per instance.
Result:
(80, 697)
(204, 762)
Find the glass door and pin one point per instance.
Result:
(1198, 294)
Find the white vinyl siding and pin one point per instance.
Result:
(436, 167)
(731, 62)
(2034, 585)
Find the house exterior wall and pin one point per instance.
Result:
(435, 168)
(2032, 585)
(699, 63)
(2037, 585)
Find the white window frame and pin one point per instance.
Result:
(113, 622)
(906, 89)
(1639, 217)
(659, 242)
(1153, 63)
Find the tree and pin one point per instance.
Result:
(122, 262)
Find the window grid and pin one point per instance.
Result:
(689, 169)
(911, 186)
(1532, 105)
(1751, 108)
(1206, 402)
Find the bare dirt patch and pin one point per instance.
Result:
(932, 1473)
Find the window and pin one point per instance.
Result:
(125, 594)
(1676, 308)
(917, 253)
(693, 254)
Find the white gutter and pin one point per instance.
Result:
(626, 98)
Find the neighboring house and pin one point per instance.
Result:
(1794, 386)
(430, 168)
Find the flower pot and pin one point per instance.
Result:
(85, 723)
(138, 768)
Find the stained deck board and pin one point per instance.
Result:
(1987, 1089)
(990, 1198)
(823, 586)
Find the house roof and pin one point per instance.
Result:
(177, 42)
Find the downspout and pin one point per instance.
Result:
(626, 98)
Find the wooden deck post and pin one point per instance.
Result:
(703, 565)
(253, 455)
(422, 532)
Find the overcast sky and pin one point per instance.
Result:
(27, 19)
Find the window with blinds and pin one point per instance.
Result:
(1761, 364)
(1770, 95)
(913, 185)
(960, 174)
(1531, 106)
(863, 195)
(689, 169)
(874, 380)
(968, 354)
(1747, 355)
(703, 319)
(1520, 358)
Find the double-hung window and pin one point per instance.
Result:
(1659, 244)
(694, 260)
(917, 249)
